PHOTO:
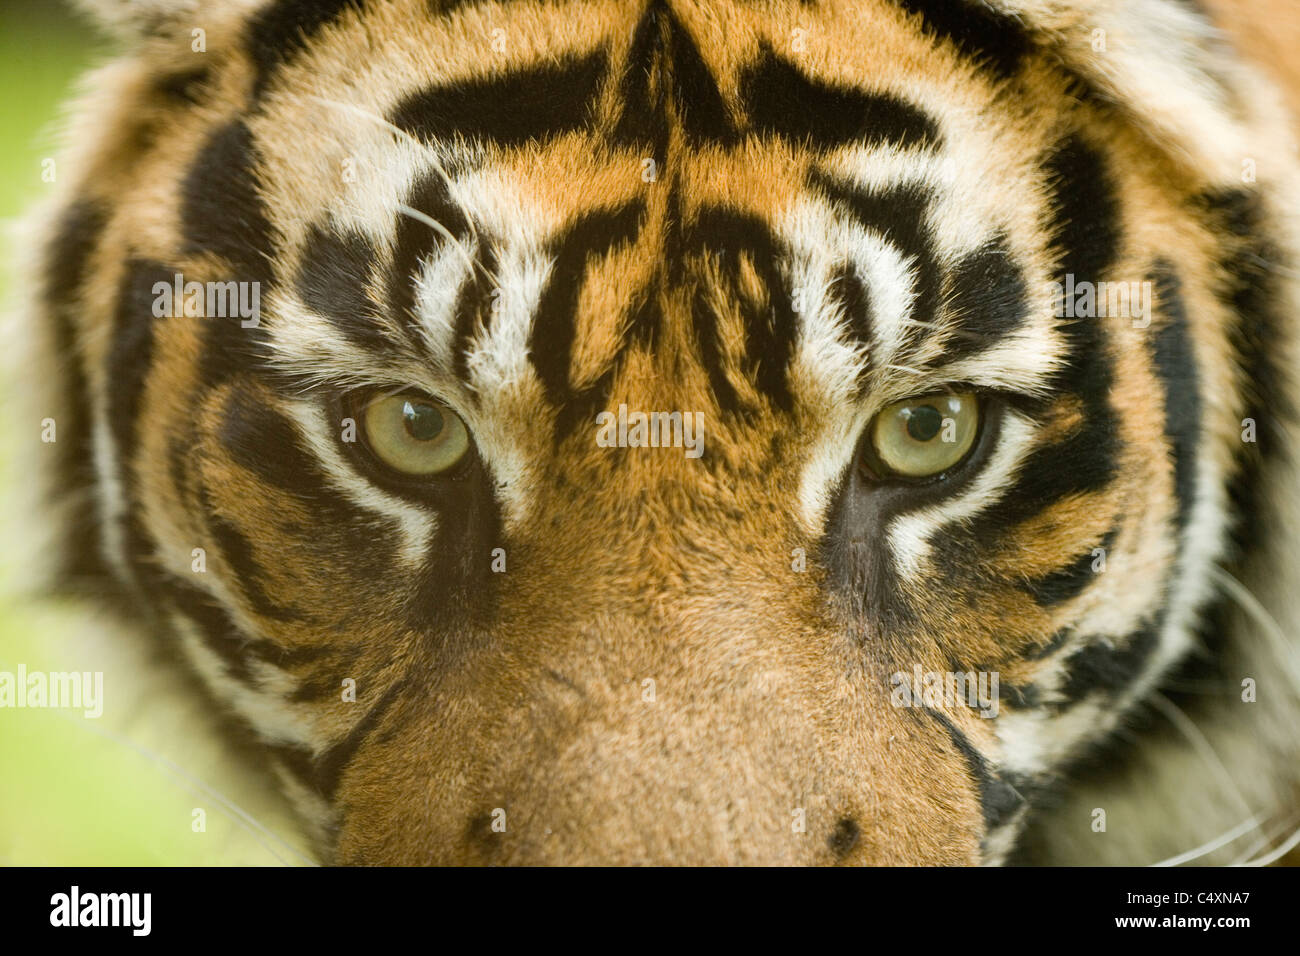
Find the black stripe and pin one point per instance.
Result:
(324, 682)
(283, 29)
(1252, 263)
(679, 246)
(328, 768)
(662, 58)
(1101, 666)
(646, 317)
(263, 441)
(770, 324)
(1085, 461)
(583, 406)
(415, 241)
(1068, 582)
(1083, 214)
(594, 234)
(705, 325)
(223, 215)
(1085, 224)
(245, 575)
(333, 272)
(782, 101)
(215, 627)
(851, 292)
(900, 214)
(987, 296)
(701, 112)
(64, 265)
(179, 451)
(999, 798)
(1024, 697)
(523, 106)
(187, 86)
(127, 366)
(221, 210)
(129, 357)
(1050, 646)
(1175, 362)
(997, 40)
(260, 439)
(642, 118)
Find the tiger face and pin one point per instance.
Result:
(664, 432)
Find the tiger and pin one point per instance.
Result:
(743, 432)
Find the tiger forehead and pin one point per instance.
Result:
(643, 176)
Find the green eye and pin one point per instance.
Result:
(414, 434)
(922, 437)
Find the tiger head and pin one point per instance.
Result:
(671, 432)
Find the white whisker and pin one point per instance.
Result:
(442, 230)
(1198, 740)
(1271, 833)
(905, 368)
(436, 162)
(1291, 843)
(1224, 839)
(240, 816)
(402, 134)
(1286, 652)
(918, 324)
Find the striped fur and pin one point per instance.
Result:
(851, 204)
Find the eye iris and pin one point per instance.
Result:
(423, 422)
(905, 436)
(924, 422)
(412, 435)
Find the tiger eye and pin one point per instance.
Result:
(415, 434)
(925, 436)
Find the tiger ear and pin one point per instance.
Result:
(136, 19)
(1167, 65)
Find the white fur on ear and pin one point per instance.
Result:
(1166, 65)
(130, 19)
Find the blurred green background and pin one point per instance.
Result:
(121, 789)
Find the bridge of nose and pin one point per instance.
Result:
(667, 681)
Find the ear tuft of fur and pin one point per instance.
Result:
(1169, 67)
(137, 19)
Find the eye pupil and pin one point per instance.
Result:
(423, 422)
(924, 422)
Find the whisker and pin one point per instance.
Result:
(1261, 616)
(1198, 740)
(919, 324)
(439, 228)
(402, 134)
(905, 368)
(235, 812)
(436, 161)
(1224, 839)
(1270, 834)
(1291, 843)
